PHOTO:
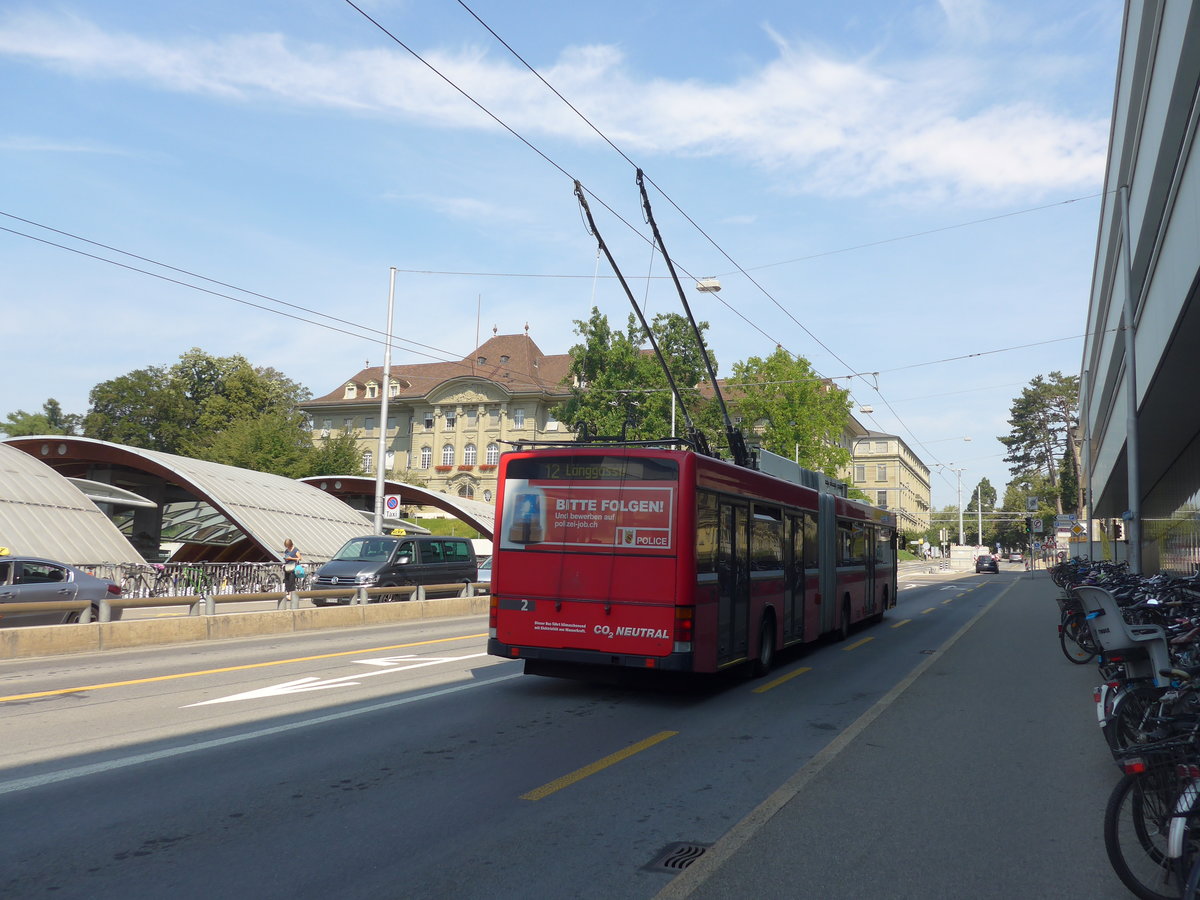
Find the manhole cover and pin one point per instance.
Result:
(676, 857)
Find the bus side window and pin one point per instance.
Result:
(706, 533)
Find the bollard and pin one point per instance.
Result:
(419, 593)
(85, 615)
(105, 611)
(360, 597)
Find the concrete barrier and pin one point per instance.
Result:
(58, 640)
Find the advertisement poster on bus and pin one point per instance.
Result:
(548, 514)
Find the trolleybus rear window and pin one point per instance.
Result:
(590, 502)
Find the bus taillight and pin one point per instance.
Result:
(493, 606)
(684, 628)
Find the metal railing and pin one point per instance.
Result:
(205, 604)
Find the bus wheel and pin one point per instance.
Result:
(878, 617)
(766, 647)
(843, 630)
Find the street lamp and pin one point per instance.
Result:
(958, 472)
(384, 390)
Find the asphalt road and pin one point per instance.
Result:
(400, 762)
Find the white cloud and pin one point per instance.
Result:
(816, 122)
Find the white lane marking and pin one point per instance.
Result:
(312, 683)
(24, 784)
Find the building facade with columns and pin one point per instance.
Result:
(448, 422)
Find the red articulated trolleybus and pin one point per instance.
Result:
(618, 556)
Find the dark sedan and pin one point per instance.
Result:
(26, 579)
(986, 564)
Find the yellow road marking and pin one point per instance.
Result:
(260, 665)
(579, 774)
(902, 622)
(926, 612)
(950, 600)
(763, 688)
(858, 644)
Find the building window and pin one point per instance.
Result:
(347, 424)
(368, 425)
(472, 417)
(448, 455)
(372, 390)
(326, 424)
(487, 496)
(881, 473)
(469, 455)
(429, 421)
(503, 360)
(493, 454)
(481, 360)
(393, 388)
(391, 423)
(367, 459)
(351, 391)
(494, 416)
(860, 473)
(551, 422)
(881, 499)
(518, 418)
(426, 457)
(451, 418)
(467, 491)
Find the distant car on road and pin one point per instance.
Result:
(485, 572)
(1015, 557)
(986, 563)
(27, 579)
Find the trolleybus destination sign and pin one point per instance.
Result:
(546, 513)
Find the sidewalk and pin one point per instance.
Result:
(985, 777)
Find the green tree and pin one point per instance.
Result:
(987, 493)
(51, 420)
(269, 443)
(619, 388)
(792, 410)
(338, 455)
(187, 408)
(141, 409)
(1043, 421)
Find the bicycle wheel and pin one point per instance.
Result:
(1126, 725)
(1136, 822)
(1075, 647)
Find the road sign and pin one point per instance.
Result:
(1065, 521)
(1031, 503)
(391, 506)
(1037, 526)
(1037, 545)
(1077, 529)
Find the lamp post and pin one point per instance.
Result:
(383, 408)
(958, 472)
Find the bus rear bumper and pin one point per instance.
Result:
(562, 662)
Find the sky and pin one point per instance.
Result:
(904, 193)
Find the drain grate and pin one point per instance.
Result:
(676, 857)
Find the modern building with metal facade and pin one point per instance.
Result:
(1141, 358)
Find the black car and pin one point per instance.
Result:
(986, 564)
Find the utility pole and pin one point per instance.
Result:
(383, 407)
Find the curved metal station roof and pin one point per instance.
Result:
(480, 516)
(223, 513)
(44, 514)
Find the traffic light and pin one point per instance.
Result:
(1029, 524)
